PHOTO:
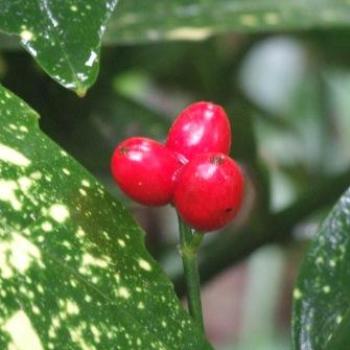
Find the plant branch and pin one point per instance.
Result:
(189, 245)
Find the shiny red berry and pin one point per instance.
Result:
(201, 127)
(145, 170)
(209, 191)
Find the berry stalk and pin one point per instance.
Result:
(190, 241)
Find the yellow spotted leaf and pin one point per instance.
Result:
(321, 297)
(63, 36)
(74, 272)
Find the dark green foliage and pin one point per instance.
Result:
(63, 36)
(74, 271)
(321, 296)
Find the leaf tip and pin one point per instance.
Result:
(81, 91)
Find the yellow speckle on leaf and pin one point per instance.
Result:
(72, 308)
(46, 226)
(86, 183)
(8, 190)
(121, 243)
(145, 265)
(17, 255)
(22, 332)
(59, 212)
(12, 156)
(123, 293)
(26, 35)
(25, 183)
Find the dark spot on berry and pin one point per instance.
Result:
(124, 150)
(217, 159)
(227, 210)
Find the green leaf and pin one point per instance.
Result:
(194, 20)
(340, 340)
(63, 36)
(74, 272)
(321, 297)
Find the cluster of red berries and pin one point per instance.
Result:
(192, 170)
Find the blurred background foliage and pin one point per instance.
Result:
(287, 96)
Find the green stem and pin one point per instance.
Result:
(189, 245)
(219, 254)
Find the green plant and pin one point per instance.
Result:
(74, 269)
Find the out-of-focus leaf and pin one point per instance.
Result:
(340, 340)
(63, 36)
(138, 20)
(321, 296)
(8, 42)
(74, 272)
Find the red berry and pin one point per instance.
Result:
(201, 127)
(209, 191)
(145, 170)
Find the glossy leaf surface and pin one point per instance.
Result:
(321, 297)
(63, 36)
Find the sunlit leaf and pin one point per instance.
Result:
(63, 36)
